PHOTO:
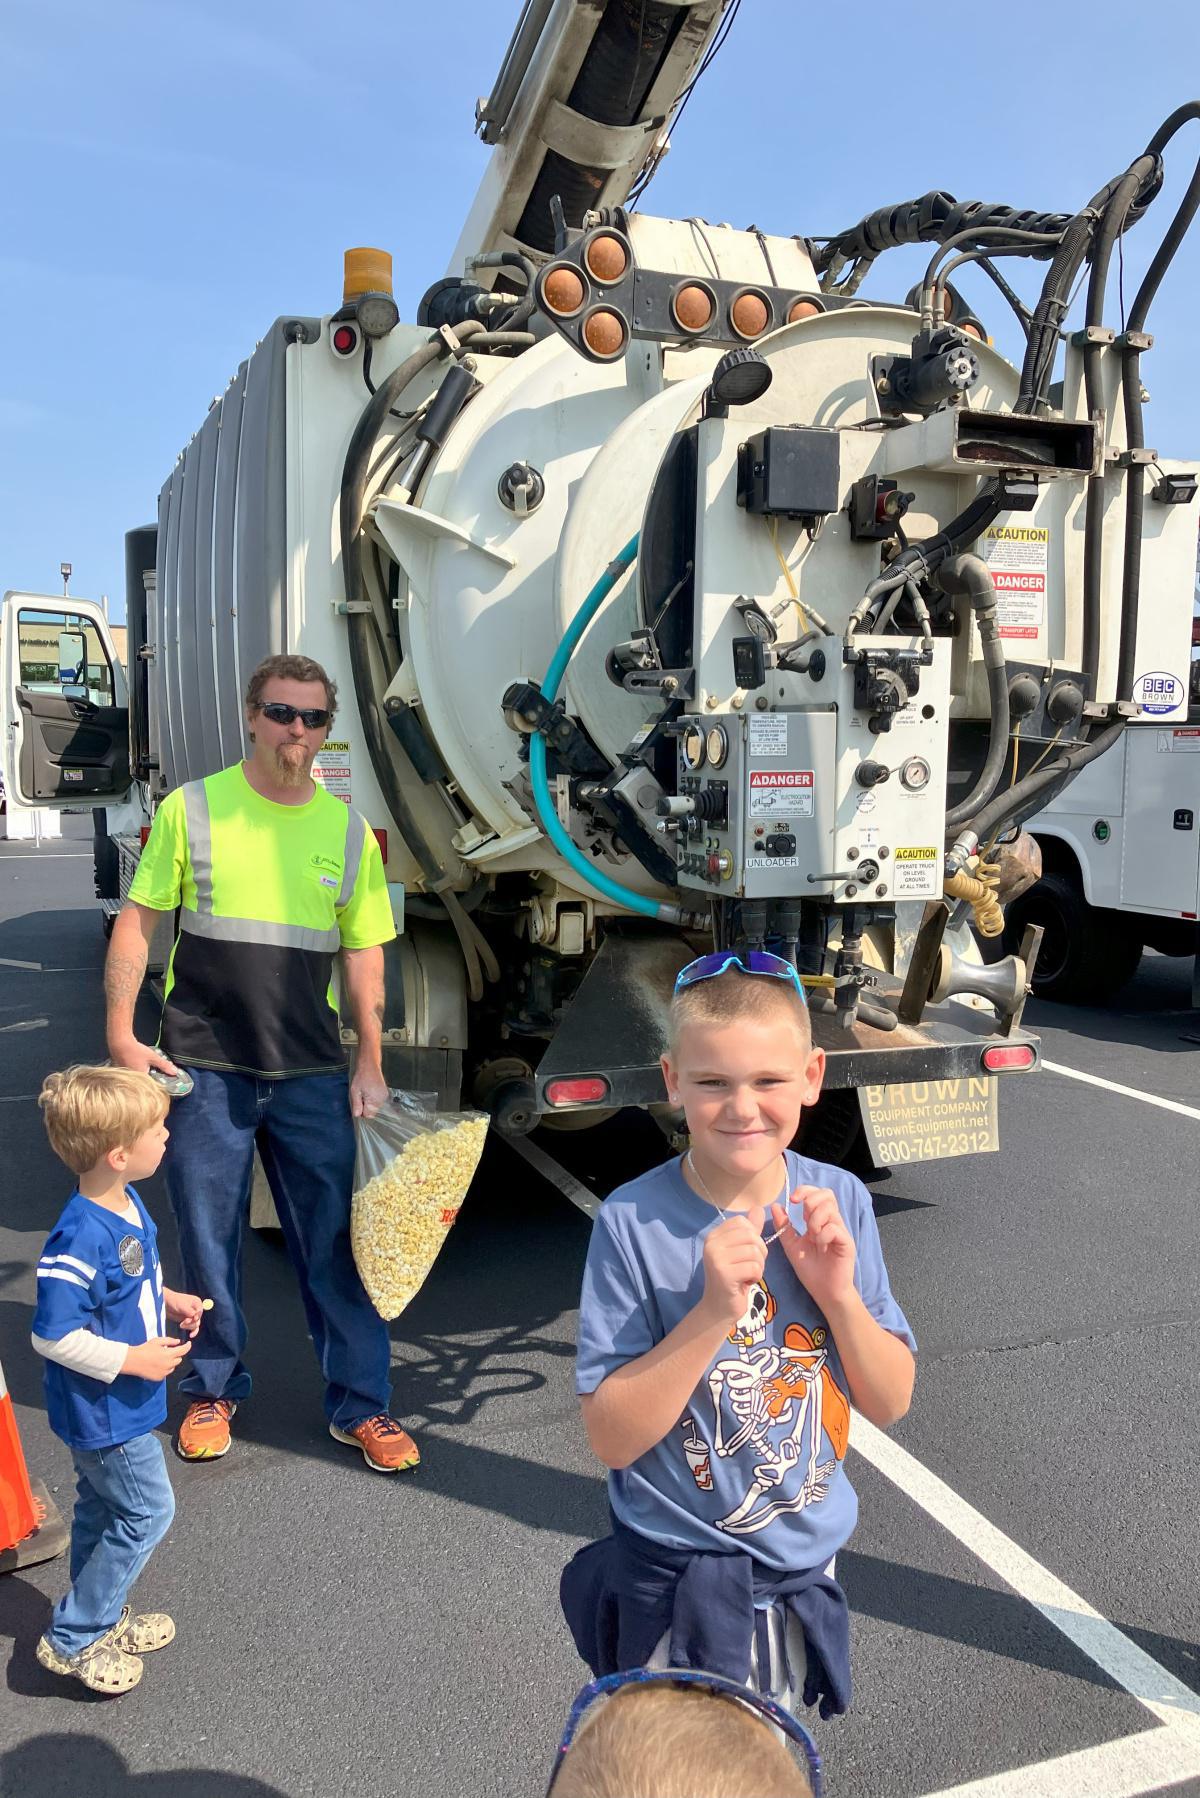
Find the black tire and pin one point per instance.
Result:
(1087, 955)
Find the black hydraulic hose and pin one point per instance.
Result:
(1131, 388)
(1029, 795)
(970, 576)
(1111, 225)
(354, 477)
(927, 555)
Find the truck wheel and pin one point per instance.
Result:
(1087, 955)
(832, 1131)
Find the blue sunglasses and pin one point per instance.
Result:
(747, 961)
(767, 1708)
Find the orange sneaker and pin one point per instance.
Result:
(204, 1432)
(385, 1446)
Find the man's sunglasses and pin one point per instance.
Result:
(693, 1677)
(313, 717)
(747, 961)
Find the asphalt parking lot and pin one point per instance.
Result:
(1025, 1580)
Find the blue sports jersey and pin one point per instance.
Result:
(101, 1273)
(756, 1460)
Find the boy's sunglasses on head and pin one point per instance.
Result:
(313, 717)
(693, 1677)
(747, 961)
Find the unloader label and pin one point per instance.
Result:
(915, 875)
(781, 792)
(929, 1120)
(1017, 556)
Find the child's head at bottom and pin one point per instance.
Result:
(105, 1122)
(663, 1741)
(741, 1061)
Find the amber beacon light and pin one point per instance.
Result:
(367, 291)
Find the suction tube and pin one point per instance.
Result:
(570, 852)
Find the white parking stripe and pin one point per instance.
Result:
(1127, 1092)
(1130, 1666)
(1126, 1768)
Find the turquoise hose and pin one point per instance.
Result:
(570, 852)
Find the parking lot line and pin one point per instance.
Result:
(1127, 1092)
(1153, 1761)
(1124, 1662)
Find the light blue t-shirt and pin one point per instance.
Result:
(757, 1460)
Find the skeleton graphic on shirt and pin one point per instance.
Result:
(781, 1403)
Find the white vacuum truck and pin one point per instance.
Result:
(672, 590)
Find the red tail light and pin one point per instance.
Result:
(381, 838)
(1012, 1055)
(587, 1091)
(144, 834)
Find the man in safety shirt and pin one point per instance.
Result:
(273, 878)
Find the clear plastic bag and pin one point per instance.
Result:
(411, 1176)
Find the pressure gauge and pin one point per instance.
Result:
(692, 745)
(915, 774)
(718, 746)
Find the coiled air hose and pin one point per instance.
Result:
(570, 851)
(979, 891)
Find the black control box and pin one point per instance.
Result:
(789, 471)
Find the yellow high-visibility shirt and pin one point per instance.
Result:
(267, 895)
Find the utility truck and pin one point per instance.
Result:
(679, 597)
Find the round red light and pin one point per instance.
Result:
(345, 339)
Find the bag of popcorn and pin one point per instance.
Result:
(412, 1173)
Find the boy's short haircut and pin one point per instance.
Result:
(732, 996)
(660, 1741)
(90, 1110)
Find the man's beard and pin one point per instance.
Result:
(292, 763)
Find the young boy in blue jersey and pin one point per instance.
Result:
(101, 1325)
(735, 1304)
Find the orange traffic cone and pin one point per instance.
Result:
(31, 1529)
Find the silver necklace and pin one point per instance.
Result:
(698, 1177)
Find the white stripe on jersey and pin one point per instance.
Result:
(60, 1273)
(69, 1261)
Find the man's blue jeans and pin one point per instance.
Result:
(305, 1138)
(123, 1509)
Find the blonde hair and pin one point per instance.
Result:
(90, 1110)
(733, 997)
(660, 1741)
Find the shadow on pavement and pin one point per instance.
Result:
(62, 1766)
(999, 1622)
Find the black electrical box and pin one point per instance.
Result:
(789, 471)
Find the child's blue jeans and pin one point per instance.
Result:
(123, 1510)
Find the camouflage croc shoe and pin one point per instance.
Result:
(100, 1666)
(140, 1635)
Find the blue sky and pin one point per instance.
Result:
(177, 176)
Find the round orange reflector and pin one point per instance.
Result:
(562, 291)
(750, 315)
(606, 258)
(605, 332)
(693, 307)
(802, 309)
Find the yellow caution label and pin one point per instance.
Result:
(916, 855)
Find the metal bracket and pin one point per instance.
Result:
(1031, 944)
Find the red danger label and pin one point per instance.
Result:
(775, 792)
(1018, 583)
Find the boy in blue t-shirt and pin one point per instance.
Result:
(101, 1325)
(735, 1304)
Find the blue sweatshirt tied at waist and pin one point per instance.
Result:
(621, 1595)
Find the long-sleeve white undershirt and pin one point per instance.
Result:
(82, 1351)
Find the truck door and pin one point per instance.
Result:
(64, 708)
